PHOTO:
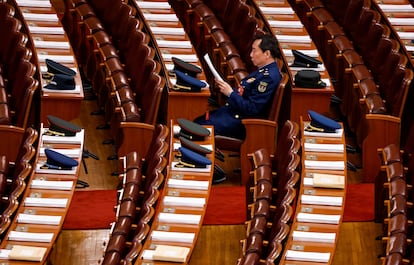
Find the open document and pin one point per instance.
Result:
(212, 68)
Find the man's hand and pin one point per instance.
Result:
(225, 88)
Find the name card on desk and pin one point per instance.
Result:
(45, 202)
(308, 256)
(30, 236)
(168, 31)
(179, 218)
(329, 148)
(181, 237)
(28, 253)
(51, 184)
(325, 165)
(321, 200)
(170, 253)
(318, 218)
(188, 184)
(41, 17)
(46, 30)
(39, 219)
(314, 236)
(52, 44)
(184, 201)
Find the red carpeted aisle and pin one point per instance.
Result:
(94, 209)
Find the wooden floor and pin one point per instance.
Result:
(216, 244)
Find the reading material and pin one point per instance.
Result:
(170, 253)
(211, 67)
(19, 252)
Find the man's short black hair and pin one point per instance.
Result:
(268, 43)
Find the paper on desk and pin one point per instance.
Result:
(323, 237)
(179, 218)
(30, 236)
(51, 184)
(52, 44)
(328, 165)
(40, 17)
(321, 200)
(46, 202)
(39, 219)
(396, 8)
(181, 237)
(34, 3)
(46, 30)
(329, 148)
(318, 218)
(168, 31)
(188, 184)
(308, 256)
(184, 201)
(77, 90)
(161, 17)
(211, 67)
(292, 24)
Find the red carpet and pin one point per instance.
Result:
(226, 206)
(91, 209)
(359, 203)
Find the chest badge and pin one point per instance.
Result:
(250, 80)
(262, 87)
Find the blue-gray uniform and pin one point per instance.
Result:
(251, 99)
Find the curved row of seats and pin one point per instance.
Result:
(18, 70)
(115, 56)
(394, 200)
(14, 174)
(142, 178)
(274, 188)
(372, 74)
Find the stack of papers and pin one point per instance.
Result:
(29, 236)
(318, 218)
(39, 219)
(45, 202)
(314, 236)
(322, 200)
(184, 201)
(27, 253)
(188, 184)
(172, 236)
(52, 184)
(179, 218)
(308, 256)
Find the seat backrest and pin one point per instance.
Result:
(277, 98)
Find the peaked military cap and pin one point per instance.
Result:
(184, 67)
(191, 130)
(57, 68)
(192, 159)
(321, 123)
(187, 83)
(309, 78)
(194, 147)
(61, 127)
(303, 60)
(61, 82)
(56, 160)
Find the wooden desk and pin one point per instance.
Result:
(190, 229)
(21, 224)
(330, 208)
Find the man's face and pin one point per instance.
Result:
(258, 57)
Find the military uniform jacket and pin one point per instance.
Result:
(250, 100)
(255, 93)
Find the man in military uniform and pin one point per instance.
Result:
(252, 99)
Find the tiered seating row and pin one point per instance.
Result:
(393, 207)
(142, 182)
(274, 187)
(116, 57)
(18, 70)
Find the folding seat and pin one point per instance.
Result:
(390, 154)
(122, 226)
(397, 224)
(273, 252)
(128, 112)
(131, 160)
(111, 258)
(118, 22)
(119, 96)
(24, 107)
(116, 243)
(132, 36)
(251, 258)
(369, 45)
(154, 176)
(5, 118)
(139, 77)
(132, 254)
(351, 15)
(260, 208)
(263, 173)
(397, 205)
(263, 190)
(257, 224)
(261, 157)
(315, 21)
(397, 243)
(6, 10)
(397, 90)
(126, 209)
(150, 97)
(253, 243)
(17, 185)
(393, 259)
(130, 191)
(9, 26)
(133, 175)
